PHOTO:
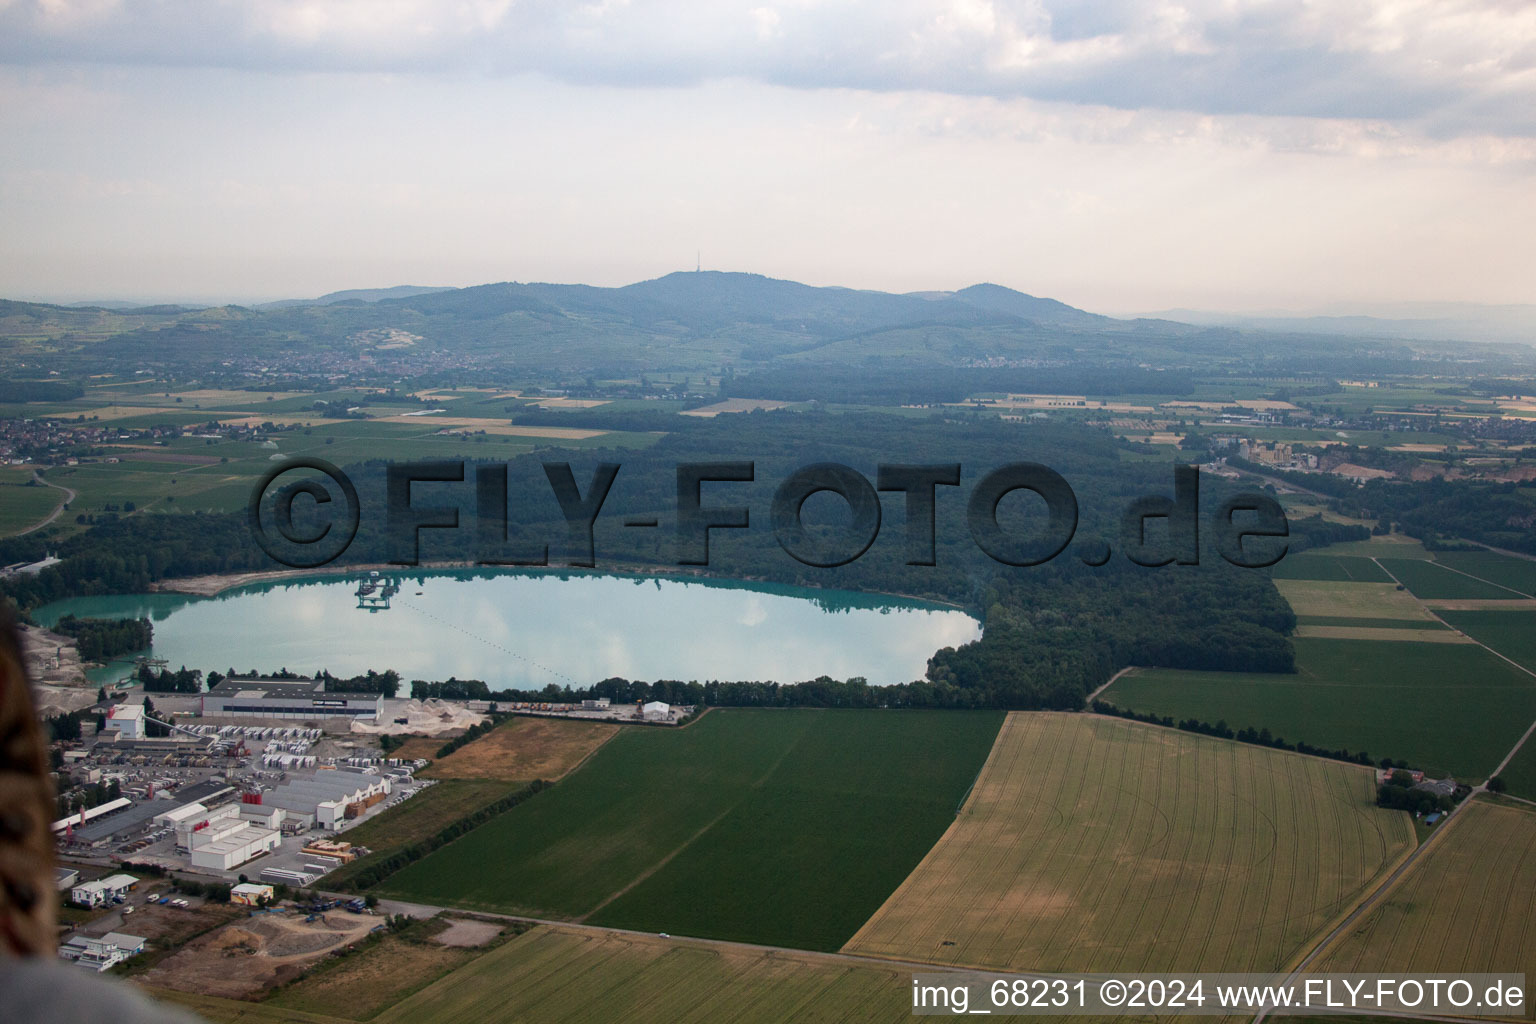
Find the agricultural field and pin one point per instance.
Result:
(558, 975)
(1431, 581)
(1520, 773)
(786, 827)
(22, 506)
(386, 969)
(1392, 545)
(423, 815)
(191, 473)
(1446, 708)
(1332, 599)
(1511, 633)
(1341, 568)
(1518, 574)
(1097, 844)
(1359, 631)
(523, 749)
(1467, 905)
(1348, 620)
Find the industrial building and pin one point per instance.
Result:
(127, 720)
(288, 699)
(250, 894)
(99, 954)
(102, 891)
(222, 839)
(99, 811)
(324, 799)
(127, 818)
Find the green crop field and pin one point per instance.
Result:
(786, 827)
(1343, 620)
(425, 814)
(1520, 773)
(23, 507)
(1445, 708)
(1429, 581)
(1096, 844)
(1512, 633)
(1467, 905)
(1394, 545)
(1310, 566)
(1515, 573)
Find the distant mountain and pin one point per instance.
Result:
(998, 299)
(689, 321)
(399, 291)
(714, 300)
(1427, 321)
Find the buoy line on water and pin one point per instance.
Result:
(488, 643)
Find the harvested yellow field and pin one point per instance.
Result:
(1478, 604)
(1097, 844)
(734, 405)
(1407, 636)
(524, 749)
(1469, 904)
(1351, 600)
(285, 419)
(557, 975)
(228, 396)
(494, 427)
(569, 403)
(122, 412)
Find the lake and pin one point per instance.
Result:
(525, 630)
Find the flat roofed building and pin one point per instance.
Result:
(102, 891)
(287, 699)
(323, 796)
(191, 826)
(227, 846)
(250, 894)
(129, 944)
(127, 720)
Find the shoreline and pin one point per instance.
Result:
(215, 584)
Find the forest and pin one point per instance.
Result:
(1053, 631)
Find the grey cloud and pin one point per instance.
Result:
(1452, 67)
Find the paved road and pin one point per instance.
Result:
(69, 496)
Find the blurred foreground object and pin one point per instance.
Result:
(34, 984)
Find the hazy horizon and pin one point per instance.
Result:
(1201, 155)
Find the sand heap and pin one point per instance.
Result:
(430, 717)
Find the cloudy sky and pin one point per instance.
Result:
(1117, 154)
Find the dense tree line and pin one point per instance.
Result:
(1257, 737)
(39, 390)
(183, 680)
(469, 735)
(386, 682)
(1053, 631)
(451, 689)
(83, 798)
(100, 639)
(374, 869)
